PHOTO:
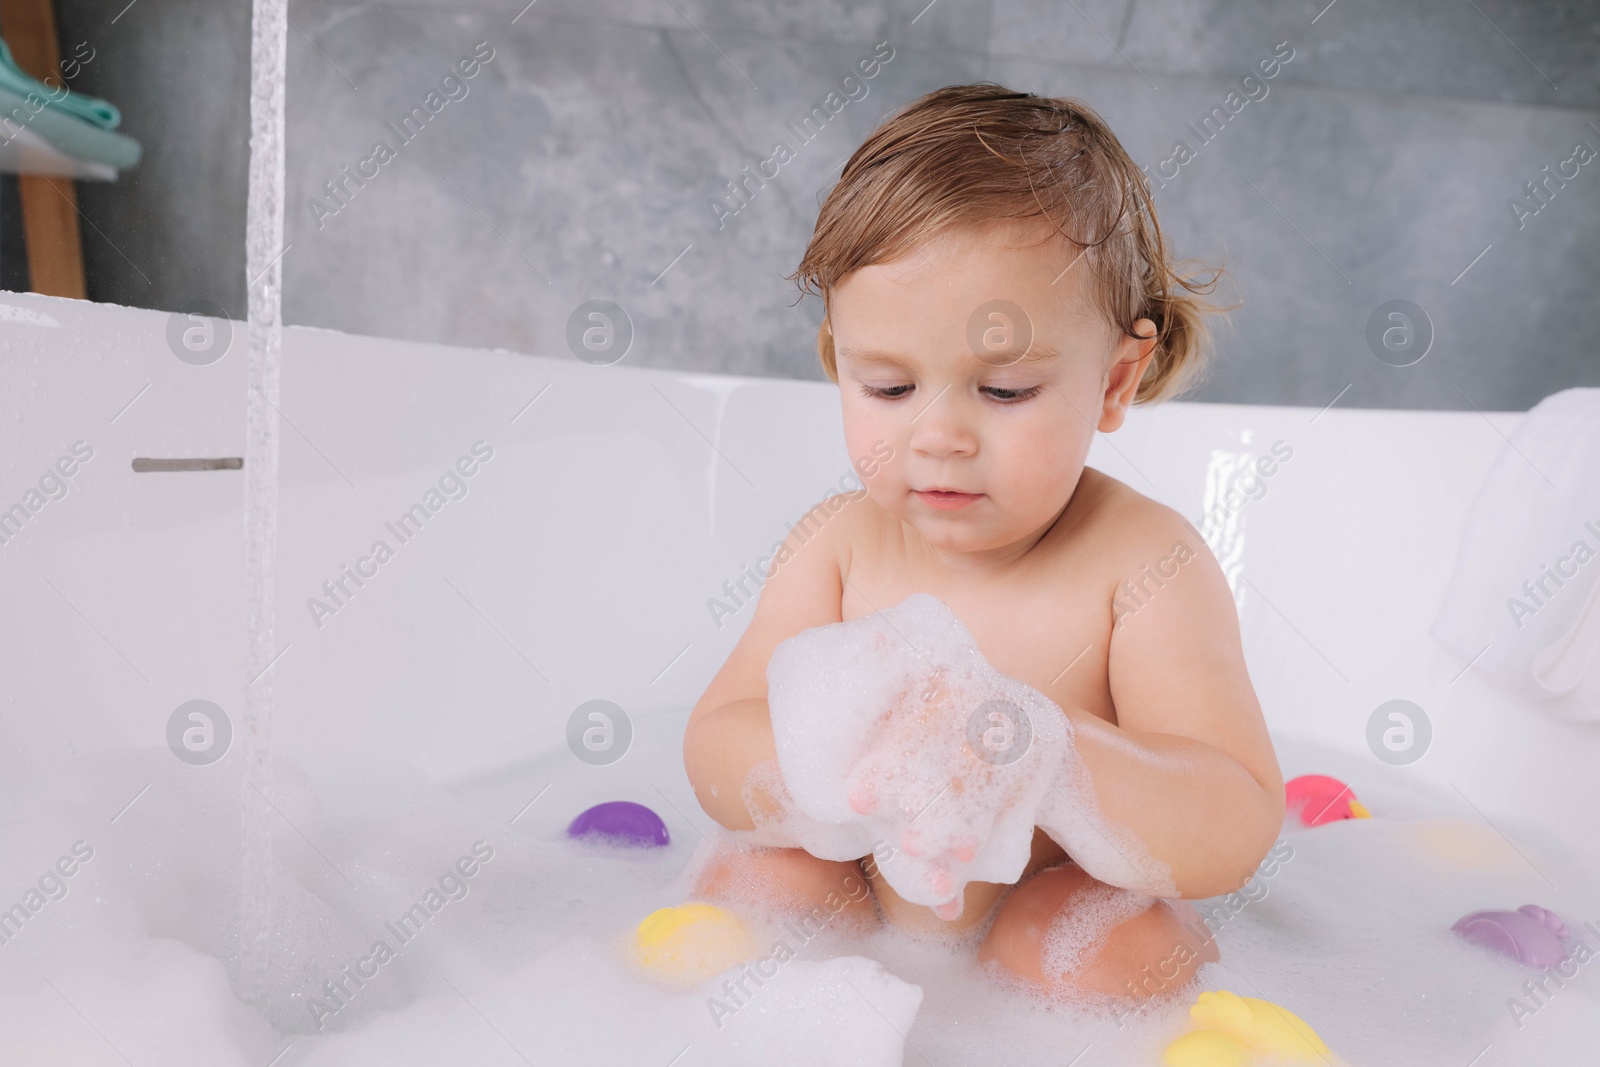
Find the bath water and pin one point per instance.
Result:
(526, 960)
(264, 272)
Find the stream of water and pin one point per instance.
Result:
(264, 253)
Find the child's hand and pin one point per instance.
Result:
(938, 768)
(927, 751)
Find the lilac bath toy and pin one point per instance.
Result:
(623, 821)
(1530, 935)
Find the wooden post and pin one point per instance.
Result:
(49, 204)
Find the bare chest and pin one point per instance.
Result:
(1049, 627)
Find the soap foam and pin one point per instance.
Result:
(1079, 929)
(1349, 929)
(955, 763)
(579, 1004)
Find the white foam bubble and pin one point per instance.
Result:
(1075, 935)
(580, 1004)
(127, 993)
(896, 736)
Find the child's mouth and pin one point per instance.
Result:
(946, 499)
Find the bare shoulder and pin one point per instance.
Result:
(802, 587)
(837, 523)
(1162, 586)
(1127, 529)
(1175, 664)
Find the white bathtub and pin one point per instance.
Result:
(580, 564)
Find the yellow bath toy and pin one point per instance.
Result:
(1204, 1048)
(686, 944)
(1259, 1025)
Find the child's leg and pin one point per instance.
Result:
(790, 879)
(919, 918)
(976, 906)
(1153, 953)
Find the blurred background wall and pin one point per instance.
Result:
(584, 160)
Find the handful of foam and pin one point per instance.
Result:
(896, 737)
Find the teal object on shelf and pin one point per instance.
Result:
(76, 138)
(90, 109)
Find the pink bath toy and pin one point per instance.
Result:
(623, 821)
(1320, 799)
(1530, 935)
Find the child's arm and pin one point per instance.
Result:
(1188, 767)
(730, 728)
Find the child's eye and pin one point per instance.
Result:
(1005, 396)
(1012, 396)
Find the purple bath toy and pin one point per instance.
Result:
(623, 821)
(1530, 935)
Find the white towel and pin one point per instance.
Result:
(1525, 595)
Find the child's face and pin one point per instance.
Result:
(964, 399)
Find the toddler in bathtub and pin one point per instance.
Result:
(996, 291)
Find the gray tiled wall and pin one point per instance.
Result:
(584, 159)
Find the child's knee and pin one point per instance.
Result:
(1148, 952)
(791, 879)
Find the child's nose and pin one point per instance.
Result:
(940, 430)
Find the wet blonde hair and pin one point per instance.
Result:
(968, 155)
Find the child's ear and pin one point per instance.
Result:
(1127, 370)
(825, 351)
